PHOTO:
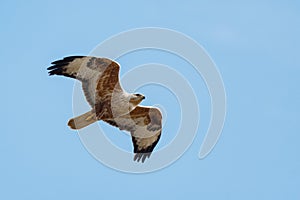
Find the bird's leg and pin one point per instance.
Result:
(101, 114)
(100, 110)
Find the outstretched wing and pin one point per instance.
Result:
(144, 125)
(99, 76)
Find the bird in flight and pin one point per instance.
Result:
(110, 103)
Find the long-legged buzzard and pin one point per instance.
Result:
(110, 103)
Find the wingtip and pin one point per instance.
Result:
(141, 157)
(64, 61)
(59, 67)
(50, 74)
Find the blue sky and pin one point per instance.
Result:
(255, 45)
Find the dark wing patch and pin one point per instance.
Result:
(142, 154)
(59, 67)
(111, 122)
(66, 60)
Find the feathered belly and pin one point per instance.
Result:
(120, 105)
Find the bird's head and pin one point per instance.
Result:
(136, 99)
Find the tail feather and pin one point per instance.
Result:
(82, 120)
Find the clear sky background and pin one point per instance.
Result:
(255, 45)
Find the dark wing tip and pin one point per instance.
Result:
(141, 156)
(58, 66)
(66, 60)
(58, 70)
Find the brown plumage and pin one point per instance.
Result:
(144, 125)
(110, 103)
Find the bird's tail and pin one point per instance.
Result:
(82, 120)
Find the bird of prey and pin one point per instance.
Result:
(110, 103)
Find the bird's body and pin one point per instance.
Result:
(110, 103)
